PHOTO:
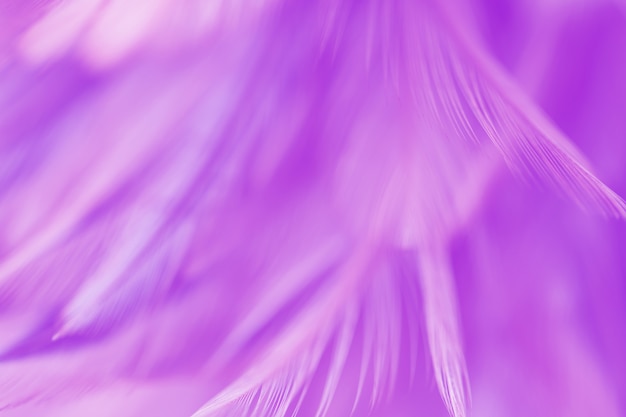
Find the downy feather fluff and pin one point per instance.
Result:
(306, 208)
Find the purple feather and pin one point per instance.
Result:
(312, 208)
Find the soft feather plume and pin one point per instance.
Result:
(303, 208)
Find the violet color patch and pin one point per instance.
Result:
(312, 208)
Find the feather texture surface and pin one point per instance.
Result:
(312, 208)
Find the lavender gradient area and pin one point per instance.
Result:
(323, 208)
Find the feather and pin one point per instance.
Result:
(223, 196)
(444, 339)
